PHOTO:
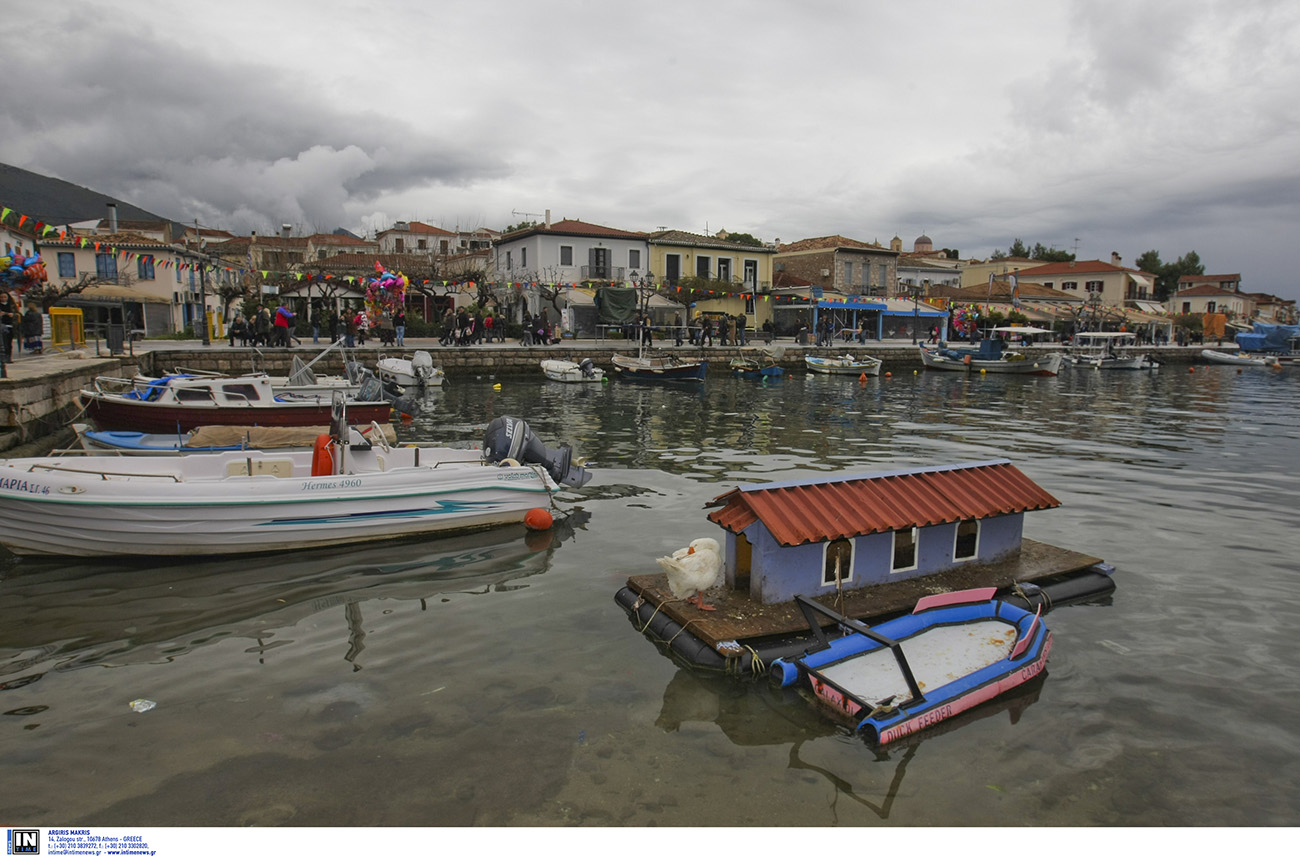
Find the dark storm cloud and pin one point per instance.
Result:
(155, 121)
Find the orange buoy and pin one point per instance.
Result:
(889, 375)
(1191, 369)
(538, 519)
(862, 377)
(322, 456)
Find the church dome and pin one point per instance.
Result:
(922, 244)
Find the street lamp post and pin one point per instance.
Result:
(916, 309)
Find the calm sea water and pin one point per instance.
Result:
(491, 680)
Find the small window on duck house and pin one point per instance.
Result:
(839, 562)
(968, 536)
(904, 550)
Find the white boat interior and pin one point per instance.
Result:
(937, 656)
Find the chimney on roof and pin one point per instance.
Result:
(1114, 259)
(286, 229)
(253, 238)
(548, 218)
(112, 218)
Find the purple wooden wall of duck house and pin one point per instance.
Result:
(779, 534)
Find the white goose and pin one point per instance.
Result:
(694, 569)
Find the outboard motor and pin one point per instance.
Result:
(371, 389)
(510, 438)
(422, 367)
(588, 368)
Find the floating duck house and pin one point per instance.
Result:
(870, 545)
(826, 535)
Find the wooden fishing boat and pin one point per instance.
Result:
(760, 363)
(1109, 350)
(273, 500)
(179, 403)
(953, 652)
(845, 364)
(666, 367)
(990, 357)
(582, 372)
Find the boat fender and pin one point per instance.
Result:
(538, 519)
(322, 456)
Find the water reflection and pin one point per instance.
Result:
(763, 714)
(64, 617)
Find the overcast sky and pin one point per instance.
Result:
(1119, 125)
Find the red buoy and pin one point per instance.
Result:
(538, 519)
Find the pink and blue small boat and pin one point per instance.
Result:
(953, 652)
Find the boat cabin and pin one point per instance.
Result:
(986, 349)
(814, 537)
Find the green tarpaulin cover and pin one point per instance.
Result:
(617, 306)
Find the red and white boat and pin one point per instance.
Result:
(179, 403)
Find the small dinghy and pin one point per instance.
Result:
(953, 652)
(843, 365)
(416, 371)
(1238, 359)
(573, 373)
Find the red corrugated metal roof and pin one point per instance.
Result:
(819, 510)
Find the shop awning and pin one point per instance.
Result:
(111, 293)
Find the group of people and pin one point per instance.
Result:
(29, 325)
(466, 328)
(276, 329)
(265, 328)
(730, 330)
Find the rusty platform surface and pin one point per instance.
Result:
(740, 618)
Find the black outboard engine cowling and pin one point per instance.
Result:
(510, 438)
(588, 368)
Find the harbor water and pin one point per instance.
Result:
(490, 679)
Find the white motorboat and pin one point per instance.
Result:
(272, 500)
(583, 372)
(416, 371)
(843, 365)
(1239, 359)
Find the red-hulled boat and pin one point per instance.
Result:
(179, 403)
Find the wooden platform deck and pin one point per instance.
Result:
(740, 618)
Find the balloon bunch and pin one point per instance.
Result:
(22, 272)
(965, 318)
(386, 291)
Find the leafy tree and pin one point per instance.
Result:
(1150, 262)
(1167, 278)
(998, 254)
(743, 238)
(1047, 254)
(1018, 250)
(523, 224)
(951, 253)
